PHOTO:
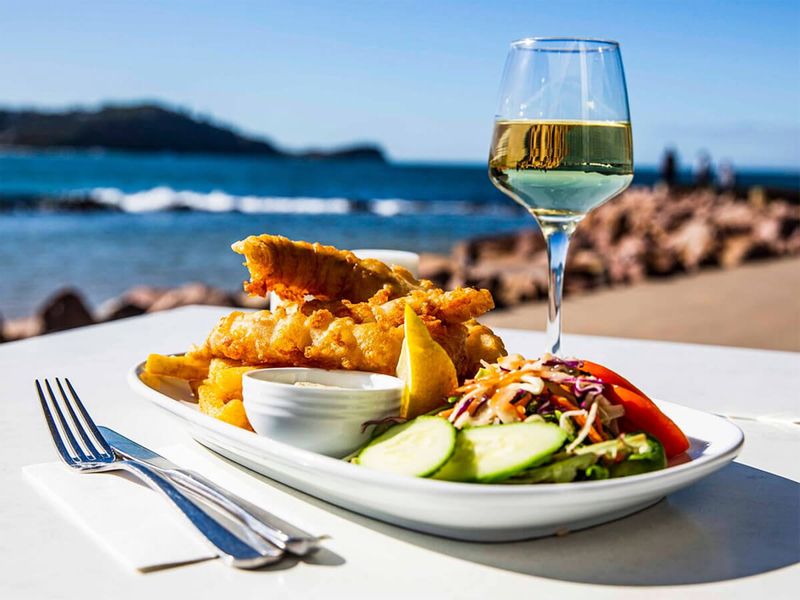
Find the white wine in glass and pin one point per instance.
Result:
(562, 141)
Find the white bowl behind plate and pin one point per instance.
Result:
(401, 258)
(323, 420)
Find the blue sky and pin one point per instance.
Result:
(420, 78)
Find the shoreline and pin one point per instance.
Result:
(640, 241)
(754, 305)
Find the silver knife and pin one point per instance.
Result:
(273, 529)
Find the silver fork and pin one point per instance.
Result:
(92, 454)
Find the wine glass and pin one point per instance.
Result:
(562, 141)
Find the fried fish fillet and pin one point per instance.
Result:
(455, 306)
(356, 319)
(296, 269)
(318, 338)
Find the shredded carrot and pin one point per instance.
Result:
(496, 381)
(500, 383)
(446, 413)
(594, 435)
(524, 400)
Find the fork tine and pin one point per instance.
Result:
(65, 426)
(104, 445)
(87, 441)
(51, 425)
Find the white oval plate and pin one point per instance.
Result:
(466, 511)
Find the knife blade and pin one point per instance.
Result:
(272, 528)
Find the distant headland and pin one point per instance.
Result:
(149, 128)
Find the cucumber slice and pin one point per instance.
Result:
(417, 448)
(496, 452)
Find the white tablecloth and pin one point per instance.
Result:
(736, 534)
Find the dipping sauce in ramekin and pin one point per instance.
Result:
(317, 409)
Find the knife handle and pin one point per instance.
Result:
(272, 528)
(230, 548)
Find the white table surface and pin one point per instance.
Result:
(733, 535)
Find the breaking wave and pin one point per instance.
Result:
(165, 198)
(168, 199)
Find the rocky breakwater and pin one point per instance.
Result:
(646, 232)
(67, 308)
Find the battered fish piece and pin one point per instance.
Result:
(455, 306)
(296, 269)
(356, 319)
(364, 340)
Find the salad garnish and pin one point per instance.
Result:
(514, 389)
(548, 420)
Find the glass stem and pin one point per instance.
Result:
(557, 236)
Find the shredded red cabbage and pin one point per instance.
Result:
(464, 406)
(483, 401)
(554, 361)
(583, 386)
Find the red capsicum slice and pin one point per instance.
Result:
(606, 375)
(641, 413)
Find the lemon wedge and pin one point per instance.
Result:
(425, 367)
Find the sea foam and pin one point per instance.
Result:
(165, 198)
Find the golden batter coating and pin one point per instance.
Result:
(361, 336)
(356, 318)
(296, 269)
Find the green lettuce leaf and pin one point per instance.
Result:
(649, 457)
(561, 471)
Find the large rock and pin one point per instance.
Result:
(767, 238)
(120, 310)
(486, 279)
(135, 301)
(792, 243)
(693, 243)
(436, 267)
(734, 250)
(521, 285)
(529, 242)
(511, 280)
(192, 293)
(245, 300)
(734, 218)
(143, 296)
(64, 310)
(585, 270)
(626, 260)
(659, 258)
(521, 244)
(19, 329)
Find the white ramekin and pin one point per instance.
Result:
(401, 258)
(324, 420)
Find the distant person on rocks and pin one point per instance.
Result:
(669, 167)
(702, 170)
(726, 177)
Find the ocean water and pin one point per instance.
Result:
(103, 222)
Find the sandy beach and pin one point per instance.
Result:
(756, 305)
